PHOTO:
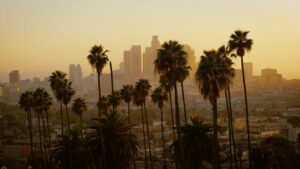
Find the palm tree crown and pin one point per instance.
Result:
(127, 93)
(79, 106)
(142, 88)
(240, 43)
(159, 96)
(98, 58)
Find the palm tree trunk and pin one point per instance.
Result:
(100, 128)
(162, 136)
(45, 140)
(129, 123)
(68, 119)
(215, 134)
(69, 135)
(145, 145)
(178, 127)
(232, 129)
(40, 137)
(247, 115)
(30, 136)
(184, 106)
(112, 84)
(49, 139)
(172, 116)
(148, 136)
(61, 118)
(229, 129)
(81, 129)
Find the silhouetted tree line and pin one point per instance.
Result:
(109, 143)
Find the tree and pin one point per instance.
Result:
(121, 146)
(142, 90)
(197, 145)
(127, 95)
(103, 104)
(183, 73)
(41, 103)
(56, 80)
(114, 100)
(274, 152)
(71, 144)
(98, 59)
(26, 103)
(240, 44)
(223, 52)
(170, 58)
(68, 92)
(212, 76)
(158, 97)
(79, 107)
(138, 101)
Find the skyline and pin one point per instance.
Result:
(36, 35)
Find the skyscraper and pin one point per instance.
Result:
(149, 57)
(14, 77)
(127, 63)
(75, 76)
(136, 61)
(248, 67)
(191, 60)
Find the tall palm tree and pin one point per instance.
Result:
(138, 101)
(142, 88)
(164, 83)
(41, 101)
(98, 59)
(197, 145)
(79, 107)
(127, 95)
(69, 92)
(114, 100)
(26, 103)
(170, 58)
(56, 81)
(239, 43)
(183, 73)
(121, 146)
(158, 97)
(223, 52)
(212, 76)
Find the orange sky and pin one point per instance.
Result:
(38, 37)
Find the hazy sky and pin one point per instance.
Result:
(40, 36)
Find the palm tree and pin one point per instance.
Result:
(213, 75)
(223, 52)
(159, 96)
(197, 145)
(26, 103)
(56, 81)
(164, 83)
(138, 101)
(183, 73)
(142, 88)
(240, 44)
(98, 59)
(170, 58)
(71, 144)
(79, 107)
(121, 146)
(127, 95)
(103, 104)
(114, 100)
(68, 92)
(41, 102)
